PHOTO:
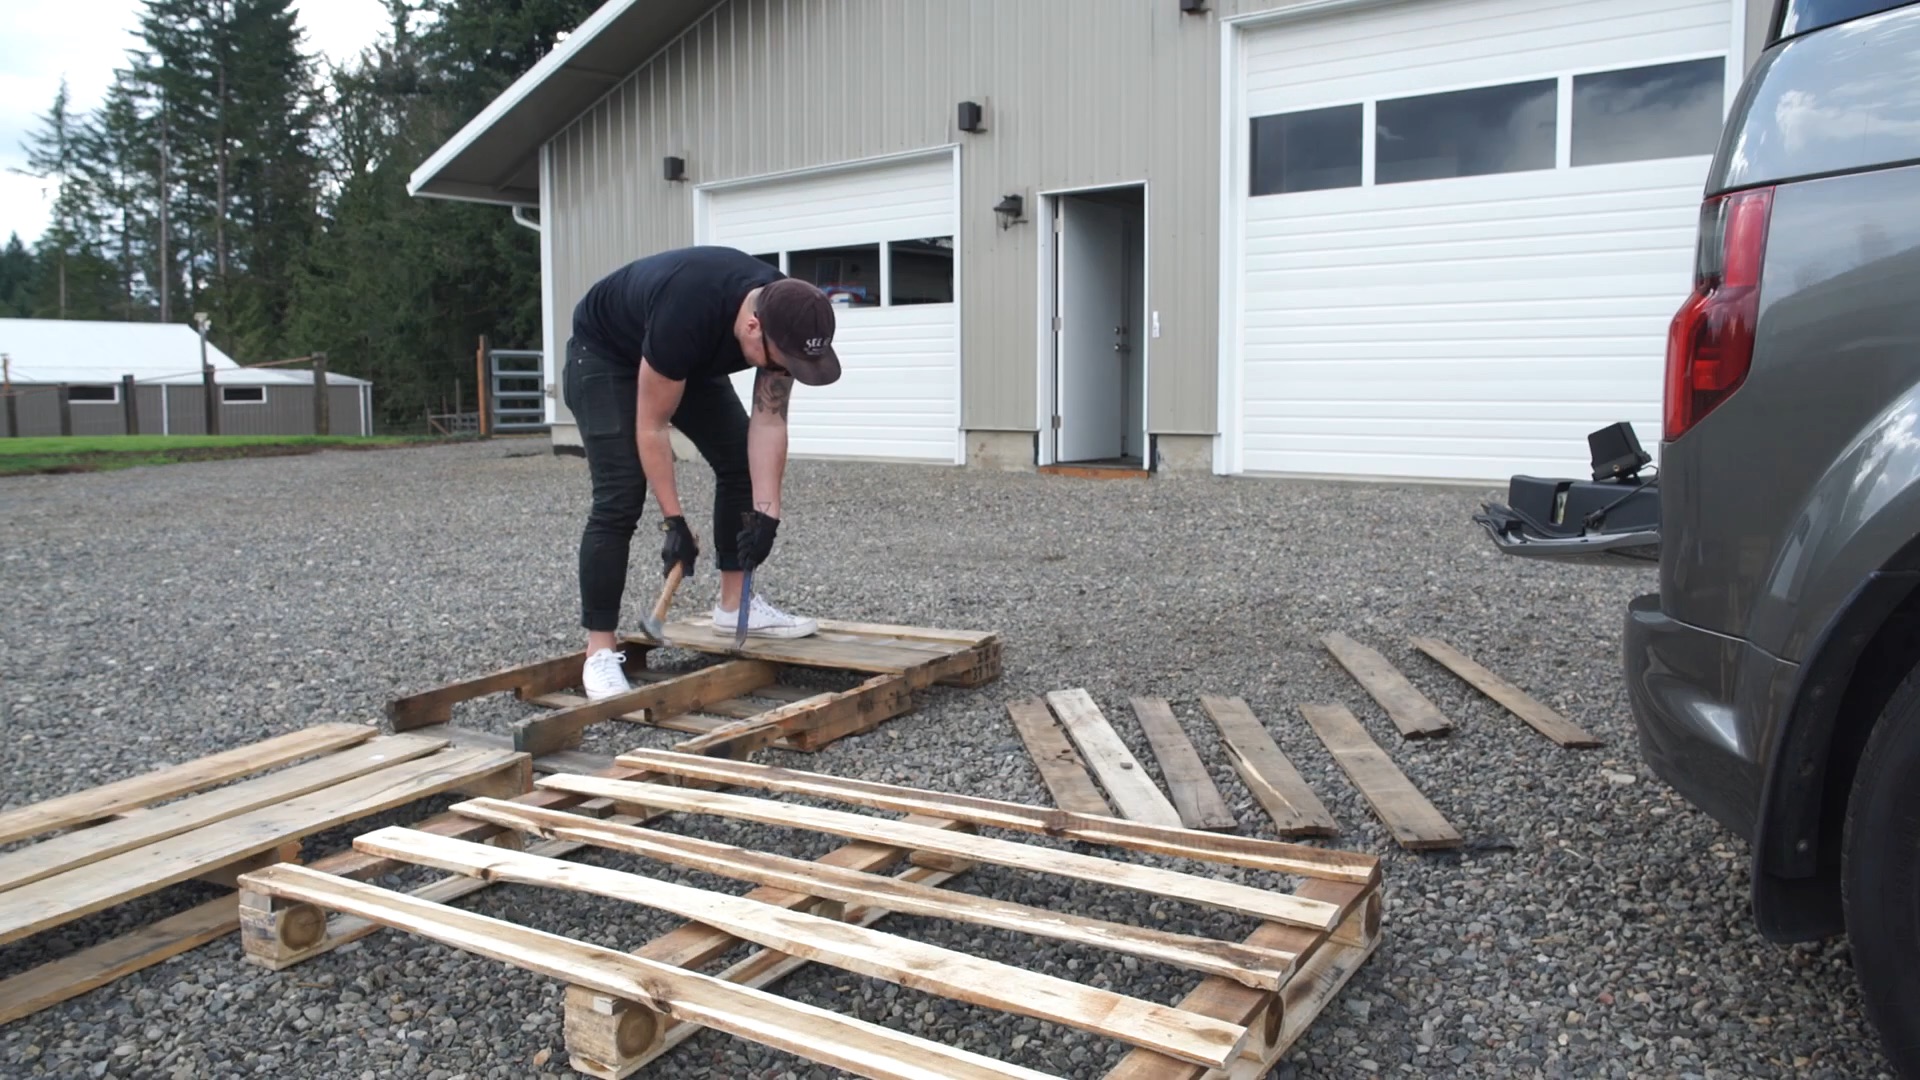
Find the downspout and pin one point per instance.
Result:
(519, 215)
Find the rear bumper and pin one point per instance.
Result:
(1702, 703)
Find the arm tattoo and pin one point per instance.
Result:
(771, 393)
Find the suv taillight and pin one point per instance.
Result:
(1710, 341)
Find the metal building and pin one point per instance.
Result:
(1381, 238)
(91, 362)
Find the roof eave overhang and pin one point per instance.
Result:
(495, 158)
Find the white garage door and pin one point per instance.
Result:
(880, 240)
(1463, 228)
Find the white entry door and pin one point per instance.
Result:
(1095, 345)
(881, 241)
(1462, 229)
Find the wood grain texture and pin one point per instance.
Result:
(1193, 790)
(61, 853)
(1288, 798)
(1254, 967)
(1133, 792)
(1208, 892)
(1516, 701)
(1327, 965)
(1060, 767)
(1415, 823)
(84, 890)
(909, 963)
(862, 1048)
(1411, 712)
(120, 796)
(70, 976)
(435, 706)
(874, 701)
(560, 729)
(1251, 852)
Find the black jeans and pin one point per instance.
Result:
(601, 395)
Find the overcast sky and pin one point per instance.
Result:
(85, 40)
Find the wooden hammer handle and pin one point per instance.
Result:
(666, 593)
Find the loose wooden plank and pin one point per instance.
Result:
(1193, 791)
(1253, 967)
(1131, 789)
(1228, 896)
(1415, 823)
(849, 652)
(62, 853)
(118, 797)
(91, 968)
(903, 961)
(1327, 968)
(86, 889)
(1286, 795)
(692, 723)
(877, 699)
(525, 680)
(1411, 712)
(560, 729)
(821, 1035)
(1517, 701)
(960, 638)
(1250, 852)
(1060, 766)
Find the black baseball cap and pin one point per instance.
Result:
(798, 318)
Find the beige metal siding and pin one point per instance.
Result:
(1078, 93)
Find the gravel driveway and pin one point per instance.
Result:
(1594, 926)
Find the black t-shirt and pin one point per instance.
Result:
(675, 308)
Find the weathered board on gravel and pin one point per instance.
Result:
(897, 661)
(1416, 824)
(1127, 783)
(1060, 767)
(1279, 787)
(149, 845)
(1517, 701)
(1193, 791)
(1411, 712)
(626, 1010)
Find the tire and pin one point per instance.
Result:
(1880, 877)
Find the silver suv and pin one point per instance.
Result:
(1775, 676)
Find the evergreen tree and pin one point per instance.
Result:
(17, 271)
(53, 155)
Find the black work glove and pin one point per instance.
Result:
(678, 547)
(756, 537)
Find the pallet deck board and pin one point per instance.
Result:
(95, 886)
(1416, 823)
(1516, 701)
(1207, 892)
(909, 963)
(1133, 791)
(1194, 794)
(1061, 769)
(1411, 712)
(61, 853)
(1254, 967)
(1267, 772)
(862, 1047)
(121, 796)
(560, 729)
(1253, 853)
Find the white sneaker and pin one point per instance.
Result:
(603, 677)
(763, 620)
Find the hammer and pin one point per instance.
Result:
(655, 624)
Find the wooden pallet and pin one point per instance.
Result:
(209, 820)
(1253, 998)
(715, 703)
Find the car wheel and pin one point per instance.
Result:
(1880, 879)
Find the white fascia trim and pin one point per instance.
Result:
(515, 94)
